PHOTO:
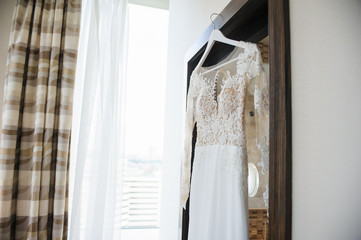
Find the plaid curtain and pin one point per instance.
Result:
(36, 126)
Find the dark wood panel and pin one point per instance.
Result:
(280, 121)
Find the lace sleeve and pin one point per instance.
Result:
(259, 87)
(189, 125)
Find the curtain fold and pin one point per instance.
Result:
(96, 169)
(36, 124)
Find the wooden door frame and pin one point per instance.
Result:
(251, 21)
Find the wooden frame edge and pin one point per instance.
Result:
(280, 192)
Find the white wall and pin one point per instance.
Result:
(326, 105)
(6, 15)
(187, 20)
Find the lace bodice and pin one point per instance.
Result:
(220, 117)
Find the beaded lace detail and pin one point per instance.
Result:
(220, 122)
(220, 119)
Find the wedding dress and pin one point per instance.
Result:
(216, 102)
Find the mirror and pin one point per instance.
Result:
(270, 209)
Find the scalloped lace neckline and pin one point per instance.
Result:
(211, 83)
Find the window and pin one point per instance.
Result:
(144, 117)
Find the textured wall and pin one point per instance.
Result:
(254, 155)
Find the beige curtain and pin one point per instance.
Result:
(35, 139)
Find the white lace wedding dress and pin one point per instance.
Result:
(216, 101)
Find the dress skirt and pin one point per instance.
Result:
(218, 196)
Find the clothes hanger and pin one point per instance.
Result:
(219, 66)
(216, 36)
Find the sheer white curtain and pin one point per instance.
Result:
(96, 150)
